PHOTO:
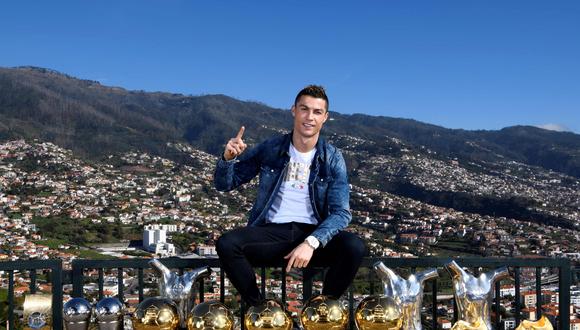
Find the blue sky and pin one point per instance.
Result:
(458, 64)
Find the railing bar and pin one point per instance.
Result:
(283, 284)
(517, 294)
(201, 290)
(434, 307)
(263, 281)
(497, 306)
(120, 283)
(538, 292)
(11, 299)
(371, 279)
(56, 281)
(77, 274)
(32, 273)
(242, 313)
(351, 324)
(141, 283)
(455, 311)
(222, 285)
(307, 275)
(101, 283)
(564, 281)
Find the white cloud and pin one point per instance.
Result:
(555, 127)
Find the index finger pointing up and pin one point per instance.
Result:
(241, 132)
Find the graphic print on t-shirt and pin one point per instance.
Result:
(297, 175)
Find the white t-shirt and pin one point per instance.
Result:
(292, 202)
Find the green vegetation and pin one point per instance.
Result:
(78, 232)
(183, 240)
(90, 254)
(51, 243)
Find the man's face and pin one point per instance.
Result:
(309, 115)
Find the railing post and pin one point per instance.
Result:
(539, 292)
(351, 323)
(77, 280)
(497, 306)
(120, 283)
(32, 285)
(564, 294)
(141, 283)
(434, 307)
(11, 299)
(307, 275)
(222, 285)
(263, 281)
(101, 283)
(56, 278)
(517, 296)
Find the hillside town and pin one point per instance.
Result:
(146, 206)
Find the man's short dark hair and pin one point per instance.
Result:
(314, 91)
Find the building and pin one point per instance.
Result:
(155, 240)
(509, 323)
(206, 250)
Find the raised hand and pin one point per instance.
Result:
(235, 146)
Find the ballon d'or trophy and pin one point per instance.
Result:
(268, 315)
(408, 292)
(210, 315)
(156, 314)
(473, 296)
(378, 313)
(324, 313)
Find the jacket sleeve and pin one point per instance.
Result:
(233, 173)
(338, 197)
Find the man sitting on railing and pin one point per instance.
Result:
(301, 207)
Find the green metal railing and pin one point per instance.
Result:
(77, 277)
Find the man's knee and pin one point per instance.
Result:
(357, 247)
(352, 246)
(225, 245)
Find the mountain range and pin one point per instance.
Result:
(94, 120)
(499, 173)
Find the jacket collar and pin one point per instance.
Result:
(320, 150)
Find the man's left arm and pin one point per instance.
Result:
(338, 197)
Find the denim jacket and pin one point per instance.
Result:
(327, 186)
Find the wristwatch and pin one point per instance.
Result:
(312, 242)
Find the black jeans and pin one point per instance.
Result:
(267, 245)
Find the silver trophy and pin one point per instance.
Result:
(473, 295)
(179, 288)
(109, 314)
(409, 292)
(77, 314)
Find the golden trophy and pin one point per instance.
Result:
(77, 314)
(38, 311)
(473, 296)
(406, 292)
(269, 315)
(324, 313)
(378, 313)
(542, 324)
(210, 315)
(156, 314)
